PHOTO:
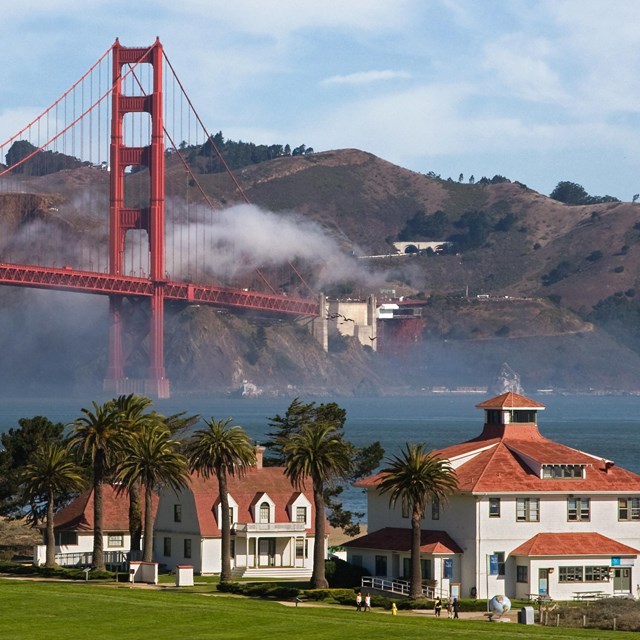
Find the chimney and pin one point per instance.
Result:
(259, 456)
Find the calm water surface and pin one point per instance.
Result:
(603, 425)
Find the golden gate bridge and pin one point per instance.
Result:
(129, 130)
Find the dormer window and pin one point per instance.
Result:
(563, 471)
(265, 512)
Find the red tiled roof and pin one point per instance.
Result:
(496, 460)
(245, 491)
(78, 514)
(510, 400)
(572, 544)
(397, 539)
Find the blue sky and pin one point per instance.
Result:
(537, 91)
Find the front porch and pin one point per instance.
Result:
(279, 550)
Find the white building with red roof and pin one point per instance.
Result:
(74, 526)
(272, 529)
(531, 517)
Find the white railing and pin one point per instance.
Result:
(399, 587)
(252, 527)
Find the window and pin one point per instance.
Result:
(381, 565)
(562, 471)
(115, 540)
(596, 574)
(231, 515)
(578, 509)
(66, 538)
(426, 568)
(232, 544)
(300, 551)
(435, 508)
(501, 563)
(167, 547)
(628, 508)
(301, 514)
(522, 573)
(570, 574)
(494, 507)
(177, 513)
(527, 509)
(187, 547)
(264, 512)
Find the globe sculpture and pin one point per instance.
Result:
(499, 605)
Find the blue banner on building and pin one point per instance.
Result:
(493, 565)
(447, 569)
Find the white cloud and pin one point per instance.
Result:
(367, 77)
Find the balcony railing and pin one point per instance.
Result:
(272, 527)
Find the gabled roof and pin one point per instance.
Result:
(506, 458)
(256, 482)
(78, 515)
(572, 544)
(397, 539)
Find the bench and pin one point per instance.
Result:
(588, 595)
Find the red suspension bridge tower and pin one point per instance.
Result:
(150, 218)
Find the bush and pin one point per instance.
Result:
(343, 574)
(259, 590)
(60, 573)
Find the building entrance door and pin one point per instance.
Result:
(543, 582)
(622, 580)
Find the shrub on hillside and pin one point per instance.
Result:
(343, 574)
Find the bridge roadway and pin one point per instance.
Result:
(67, 279)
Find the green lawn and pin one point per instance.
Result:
(41, 610)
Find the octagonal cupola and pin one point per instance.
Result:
(509, 409)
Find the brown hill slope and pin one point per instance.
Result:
(530, 247)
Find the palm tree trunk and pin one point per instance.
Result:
(318, 577)
(148, 525)
(135, 517)
(416, 568)
(225, 529)
(98, 512)
(51, 540)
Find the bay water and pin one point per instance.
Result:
(606, 426)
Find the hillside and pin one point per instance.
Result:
(560, 281)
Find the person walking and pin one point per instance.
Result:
(449, 609)
(367, 602)
(456, 608)
(359, 601)
(437, 607)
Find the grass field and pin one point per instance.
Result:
(31, 610)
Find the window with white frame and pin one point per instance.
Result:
(501, 562)
(578, 509)
(115, 540)
(628, 508)
(527, 509)
(494, 507)
(522, 573)
(187, 547)
(66, 538)
(264, 512)
(177, 513)
(167, 547)
(301, 515)
(300, 548)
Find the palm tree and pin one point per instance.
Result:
(153, 460)
(318, 451)
(52, 471)
(415, 478)
(95, 437)
(221, 450)
(132, 416)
